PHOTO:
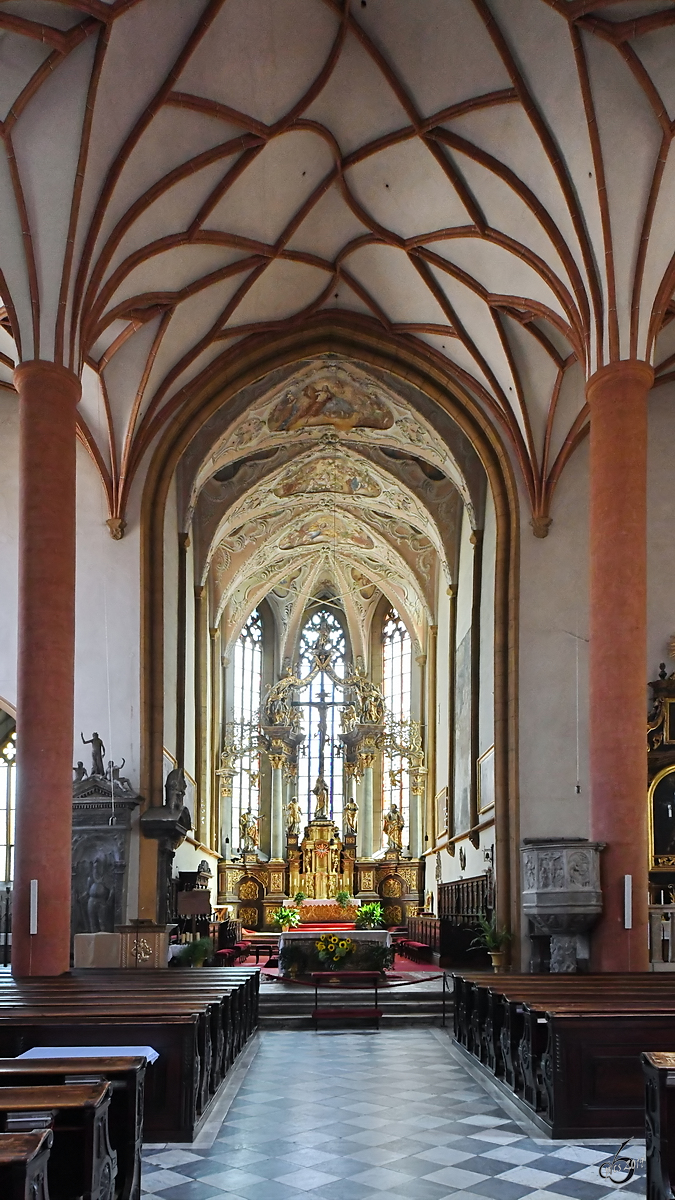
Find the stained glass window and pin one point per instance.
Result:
(396, 682)
(319, 706)
(247, 685)
(7, 806)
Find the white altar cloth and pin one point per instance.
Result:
(91, 1052)
(381, 936)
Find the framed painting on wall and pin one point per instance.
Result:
(441, 812)
(486, 780)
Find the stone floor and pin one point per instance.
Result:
(364, 1116)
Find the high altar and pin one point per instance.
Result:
(321, 860)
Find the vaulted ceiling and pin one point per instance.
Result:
(492, 180)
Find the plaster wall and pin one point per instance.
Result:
(486, 701)
(170, 618)
(442, 715)
(553, 639)
(660, 530)
(9, 525)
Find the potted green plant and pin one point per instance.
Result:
(342, 899)
(299, 897)
(370, 916)
(286, 918)
(494, 940)
(195, 954)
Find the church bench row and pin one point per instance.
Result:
(23, 1165)
(568, 1046)
(198, 1021)
(659, 1072)
(82, 1162)
(125, 1116)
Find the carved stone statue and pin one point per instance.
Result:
(248, 831)
(320, 790)
(350, 814)
(393, 828)
(79, 772)
(293, 817)
(97, 752)
(97, 899)
(118, 781)
(174, 790)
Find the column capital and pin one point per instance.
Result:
(632, 372)
(43, 373)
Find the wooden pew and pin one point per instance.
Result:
(223, 1005)
(552, 1040)
(125, 1116)
(659, 1073)
(82, 1161)
(23, 1165)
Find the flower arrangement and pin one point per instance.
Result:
(286, 918)
(332, 949)
(343, 899)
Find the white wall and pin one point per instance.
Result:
(553, 611)
(9, 524)
(660, 530)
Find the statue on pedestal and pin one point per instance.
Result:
(248, 831)
(293, 817)
(350, 815)
(97, 752)
(393, 828)
(320, 790)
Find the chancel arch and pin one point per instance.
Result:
(312, 510)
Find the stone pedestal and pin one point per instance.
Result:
(102, 950)
(562, 898)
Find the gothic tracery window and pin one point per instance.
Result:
(396, 687)
(319, 706)
(247, 688)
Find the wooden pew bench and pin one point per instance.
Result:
(82, 1161)
(659, 1073)
(125, 1117)
(23, 1165)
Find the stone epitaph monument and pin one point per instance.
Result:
(103, 805)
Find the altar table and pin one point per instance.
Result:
(306, 940)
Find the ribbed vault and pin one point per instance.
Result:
(179, 175)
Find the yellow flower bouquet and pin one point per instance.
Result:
(332, 949)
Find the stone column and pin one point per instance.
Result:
(617, 397)
(277, 762)
(365, 825)
(48, 397)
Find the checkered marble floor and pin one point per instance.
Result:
(364, 1116)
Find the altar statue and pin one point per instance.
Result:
(393, 828)
(348, 718)
(320, 790)
(293, 816)
(278, 709)
(350, 815)
(248, 831)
